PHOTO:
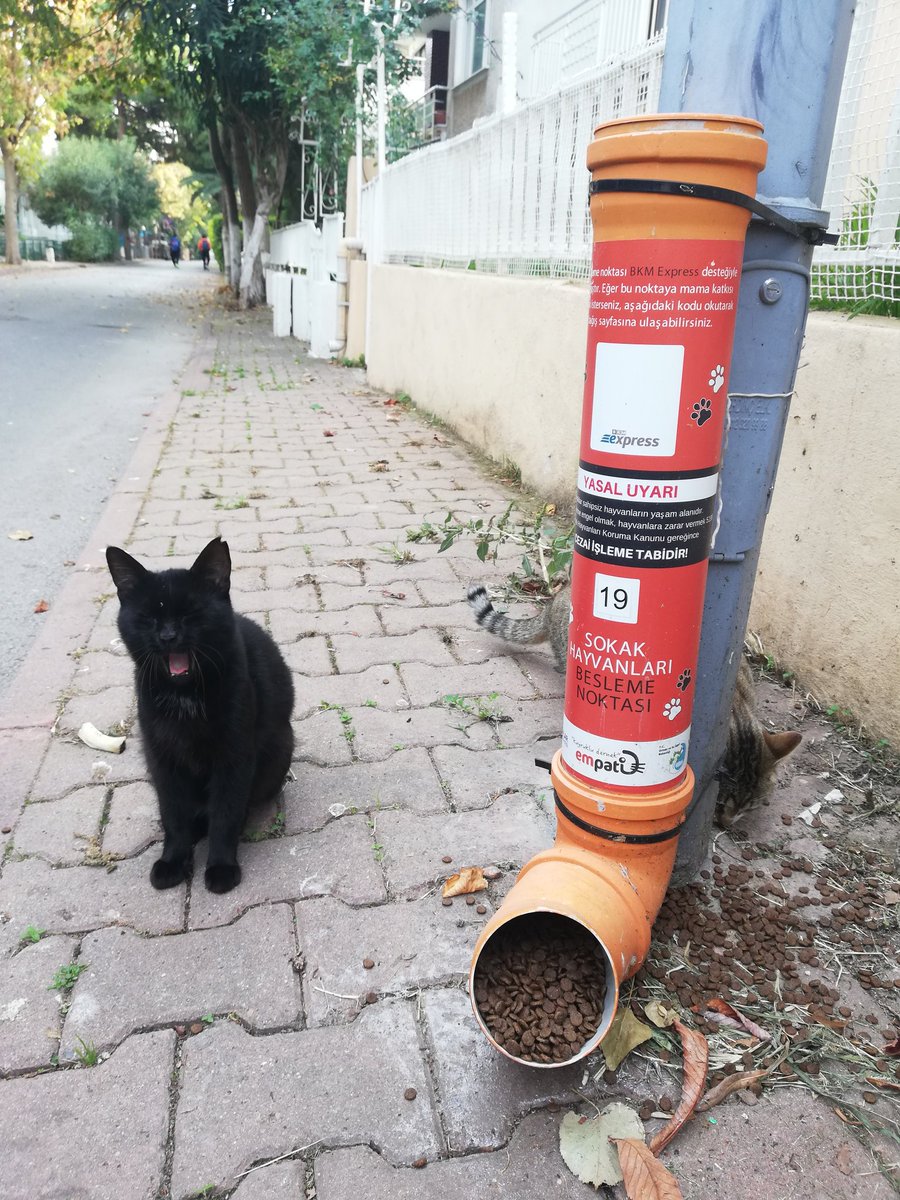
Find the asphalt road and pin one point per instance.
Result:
(85, 353)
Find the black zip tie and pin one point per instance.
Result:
(815, 235)
(630, 839)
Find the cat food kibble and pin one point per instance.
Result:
(368, 963)
(540, 984)
(410, 1094)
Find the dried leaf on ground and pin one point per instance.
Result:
(469, 879)
(390, 402)
(327, 433)
(892, 1049)
(890, 1084)
(20, 535)
(661, 1016)
(723, 1012)
(644, 1176)
(41, 607)
(625, 1033)
(842, 1159)
(584, 1142)
(696, 1058)
(731, 1083)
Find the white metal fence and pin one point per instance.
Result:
(509, 196)
(302, 283)
(862, 192)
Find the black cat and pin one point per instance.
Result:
(214, 702)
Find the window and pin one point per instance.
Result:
(478, 19)
(472, 41)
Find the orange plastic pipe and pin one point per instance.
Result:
(663, 291)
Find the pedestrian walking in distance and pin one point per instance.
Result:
(175, 249)
(203, 248)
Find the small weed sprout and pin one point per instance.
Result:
(65, 977)
(32, 934)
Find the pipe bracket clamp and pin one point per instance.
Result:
(814, 234)
(630, 839)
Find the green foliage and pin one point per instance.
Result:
(547, 548)
(97, 182)
(90, 241)
(87, 1053)
(32, 934)
(65, 976)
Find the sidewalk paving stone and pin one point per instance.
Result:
(107, 710)
(134, 983)
(71, 764)
(407, 780)
(378, 687)
(483, 1117)
(97, 1133)
(511, 830)
(377, 734)
(245, 1099)
(133, 822)
(281, 1181)
(355, 654)
(412, 944)
(474, 779)
(30, 1017)
(75, 899)
(338, 860)
(530, 1168)
(59, 831)
(499, 675)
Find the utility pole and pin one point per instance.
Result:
(782, 64)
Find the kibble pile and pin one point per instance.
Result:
(749, 934)
(540, 985)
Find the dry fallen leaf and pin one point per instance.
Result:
(644, 1176)
(625, 1033)
(390, 402)
(731, 1083)
(725, 1014)
(696, 1057)
(584, 1142)
(892, 1049)
(469, 879)
(327, 433)
(661, 1016)
(842, 1160)
(41, 606)
(890, 1084)
(393, 595)
(20, 535)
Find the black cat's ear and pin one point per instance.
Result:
(128, 574)
(213, 566)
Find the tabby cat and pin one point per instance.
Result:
(747, 774)
(214, 703)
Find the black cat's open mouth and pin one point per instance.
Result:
(179, 665)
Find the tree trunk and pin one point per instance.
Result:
(270, 176)
(231, 245)
(253, 284)
(11, 176)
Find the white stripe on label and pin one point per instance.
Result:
(623, 763)
(647, 491)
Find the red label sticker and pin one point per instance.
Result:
(660, 331)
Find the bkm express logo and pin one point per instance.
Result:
(618, 437)
(625, 763)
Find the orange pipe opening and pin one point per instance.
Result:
(663, 301)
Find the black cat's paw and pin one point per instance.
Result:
(222, 877)
(165, 874)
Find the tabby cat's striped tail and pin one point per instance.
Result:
(527, 629)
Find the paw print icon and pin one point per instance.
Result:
(672, 708)
(716, 377)
(701, 412)
(684, 679)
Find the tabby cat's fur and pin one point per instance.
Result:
(747, 774)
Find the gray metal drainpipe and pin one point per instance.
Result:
(781, 62)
